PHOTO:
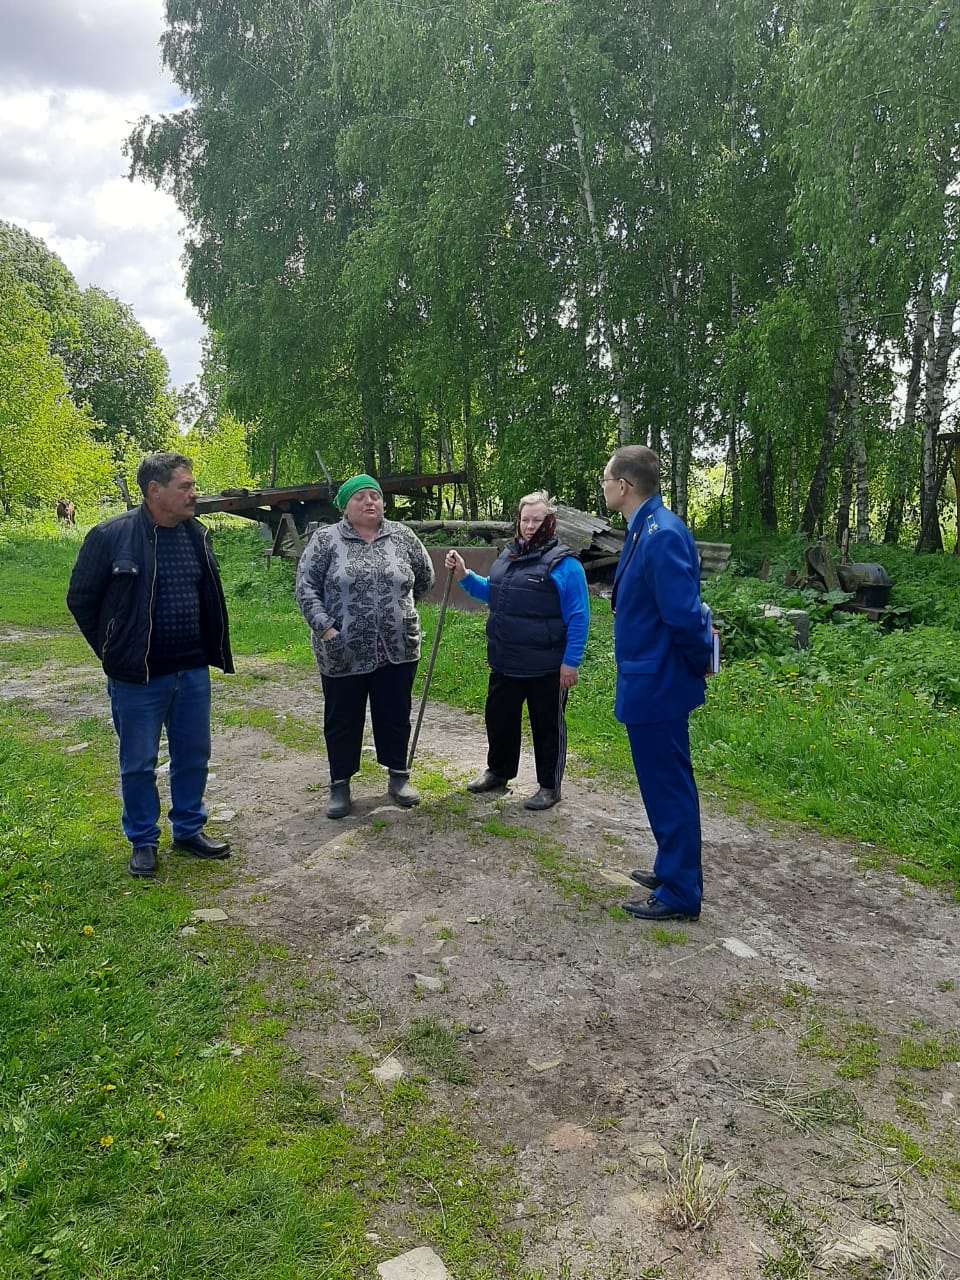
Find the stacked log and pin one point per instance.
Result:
(596, 541)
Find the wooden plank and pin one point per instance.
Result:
(240, 501)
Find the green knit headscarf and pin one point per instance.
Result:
(352, 486)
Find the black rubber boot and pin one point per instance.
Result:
(487, 782)
(545, 798)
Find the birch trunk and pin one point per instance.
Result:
(841, 385)
(604, 330)
(935, 379)
(733, 451)
(907, 435)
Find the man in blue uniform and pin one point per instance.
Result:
(146, 594)
(662, 646)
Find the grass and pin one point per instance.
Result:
(696, 1195)
(152, 1121)
(853, 1047)
(438, 1049)
(668, 937)
(804, 1108)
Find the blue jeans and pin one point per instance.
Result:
(180, 703)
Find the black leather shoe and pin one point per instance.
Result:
(545, 798)
(487, 782)
(340, 802)
(654, 909)
(200, 846)
(400, 791)
(646, 878)
(143, 861)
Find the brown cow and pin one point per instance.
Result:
(66, 511)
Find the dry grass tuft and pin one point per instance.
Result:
(696, 1195)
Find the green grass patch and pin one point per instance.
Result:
(668, 937)
(928, 1054)
(292, 732)
(152, 1119)
(35, 566)
(439, 1050)
(853, 1048)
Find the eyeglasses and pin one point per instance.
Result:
(607, 479)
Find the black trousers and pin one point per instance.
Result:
(546, 705)
(345, 713)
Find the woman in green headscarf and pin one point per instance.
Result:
(357, 586)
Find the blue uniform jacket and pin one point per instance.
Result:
(661, 639)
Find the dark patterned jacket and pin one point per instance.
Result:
(367, 592)
(112, 590)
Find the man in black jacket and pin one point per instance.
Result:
(146, 594)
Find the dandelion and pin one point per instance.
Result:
(106, 1141)
(87, 930)
(109, 1088)
(158, 1115)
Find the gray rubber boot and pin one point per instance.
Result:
(340, 804)
(400, 790)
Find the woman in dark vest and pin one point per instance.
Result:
(536, 635)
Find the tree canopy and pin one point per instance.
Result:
(507, 235)
(47, 449)
(83, 388)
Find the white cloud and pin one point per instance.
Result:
(108, 44)
(78, 75)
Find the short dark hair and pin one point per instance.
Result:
(639, 465)
(160, 467)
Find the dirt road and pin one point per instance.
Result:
(808, 1023)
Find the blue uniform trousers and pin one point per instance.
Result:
(661, 758)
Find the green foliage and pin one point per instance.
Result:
(77, 373)
(220, 455)
(47, 449)
(745, 631)
(119, 371)
(531, 231)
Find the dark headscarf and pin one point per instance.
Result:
(542, 538)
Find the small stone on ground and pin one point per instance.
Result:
(571, 1137)
(739, 948)
(618, 878)
(418, 1264)
(871, 1243)
(389, 1071)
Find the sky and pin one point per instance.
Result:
(75, 76)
